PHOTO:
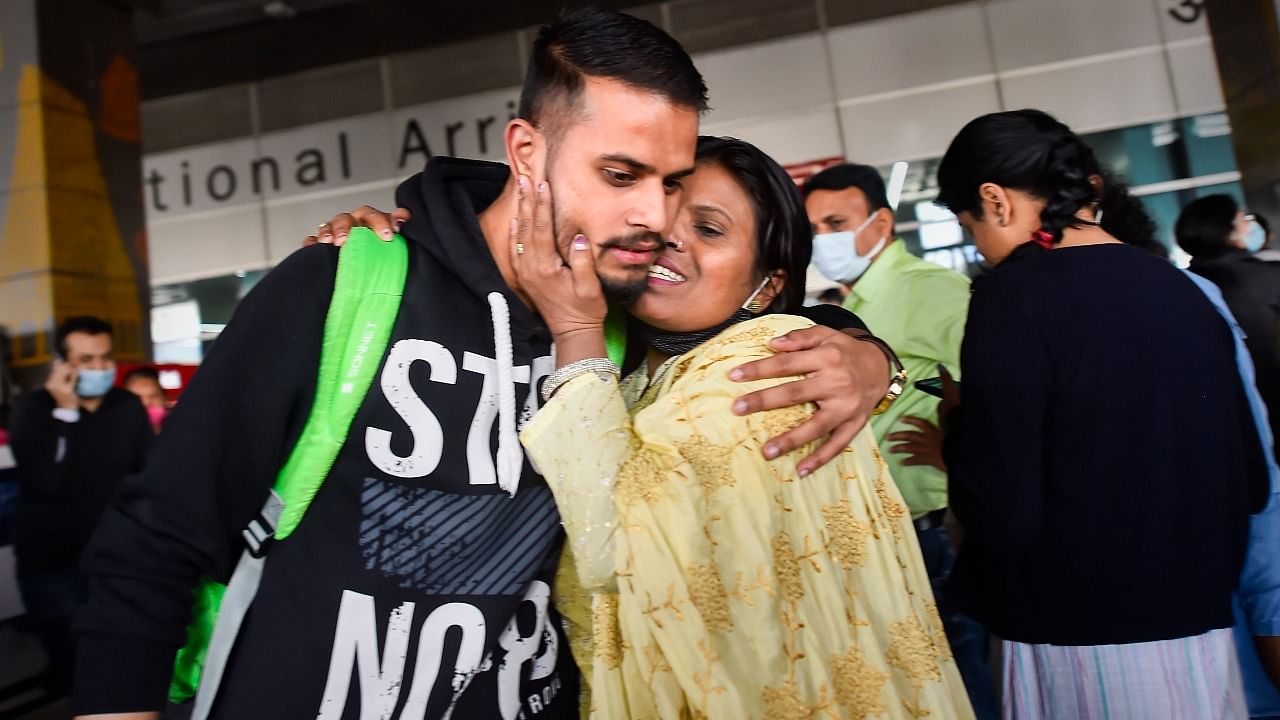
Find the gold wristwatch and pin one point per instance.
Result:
(898, 382)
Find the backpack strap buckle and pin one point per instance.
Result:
(260, 533)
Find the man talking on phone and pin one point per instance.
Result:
(74, 440)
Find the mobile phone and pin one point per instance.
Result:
(932, 385)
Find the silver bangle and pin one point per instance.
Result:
(600, 366)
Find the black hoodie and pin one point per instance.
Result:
(415, 583)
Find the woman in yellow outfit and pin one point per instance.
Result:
(699, 579)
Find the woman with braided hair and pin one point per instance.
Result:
(1103, 459)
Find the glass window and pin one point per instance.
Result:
(1208, 142)
(187, 317)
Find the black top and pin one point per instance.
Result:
(1251, 288)
(414, 583)
(1103, 460)
(68, 472)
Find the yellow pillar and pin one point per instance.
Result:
(73, 236)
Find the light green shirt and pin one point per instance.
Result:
(919, 308)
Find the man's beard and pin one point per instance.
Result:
(627, 291)
(622, 291)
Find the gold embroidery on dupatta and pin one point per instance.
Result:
(858, 684)
(710, 462)
(914, 651)
(640, 478)
(707, 593)
(608, 636)
(846, 537)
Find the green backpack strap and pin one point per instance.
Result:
(366, 299)
(615, 334)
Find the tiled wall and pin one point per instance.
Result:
(804, 80)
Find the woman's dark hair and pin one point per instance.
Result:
(783, 235)
(1205, 224)
(591, 42)
(1030, 151)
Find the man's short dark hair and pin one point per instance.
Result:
(598, 43)
(1205, 224)
(841, 177)
(87, 324)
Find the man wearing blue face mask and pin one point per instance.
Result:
(73, 441)
(919, 308)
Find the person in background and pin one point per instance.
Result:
(145, 383)
(1103, 475)
(1221, 238)
(73, 442)
(919, 308)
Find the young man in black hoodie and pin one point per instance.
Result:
(418, 583)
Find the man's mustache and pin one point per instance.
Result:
(636, 242)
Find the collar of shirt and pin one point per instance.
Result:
(879, 278)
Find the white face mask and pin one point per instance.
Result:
(836, 254)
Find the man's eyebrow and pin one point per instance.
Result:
(632, 164)
(679, 175)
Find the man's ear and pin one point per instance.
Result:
(883, 222)
(526, 148)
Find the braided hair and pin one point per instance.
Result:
(1030, 151)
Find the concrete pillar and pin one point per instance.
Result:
(72, 227)
(1246, 41)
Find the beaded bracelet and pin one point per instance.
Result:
(597, 365)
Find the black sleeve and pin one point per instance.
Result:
(40, 444)
(180, 519)
(833, 316)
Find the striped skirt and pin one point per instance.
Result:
(1191, 678)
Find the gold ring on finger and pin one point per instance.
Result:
(519, 248)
